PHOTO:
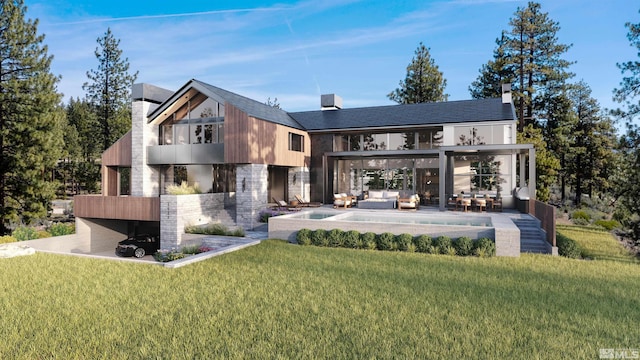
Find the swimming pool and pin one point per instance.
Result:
(453, 225)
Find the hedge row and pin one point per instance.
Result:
(463, 246)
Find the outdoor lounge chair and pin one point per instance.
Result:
(343, 200)
(305, 203)
(410, 203)
(282, 205)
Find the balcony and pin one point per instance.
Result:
(117, 207)
(185, 154)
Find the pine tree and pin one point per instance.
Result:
(423, 83)
(494, 73)
(30, 118)
(83, 171)
(109, 89)
(591, 139)
(627, 179)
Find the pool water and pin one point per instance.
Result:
(311, 215)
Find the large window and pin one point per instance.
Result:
(482, 174)
(224, 178)
(192, 132)
(296, 142)
(429, 138)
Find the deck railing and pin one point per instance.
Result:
(547, 216)
(117, 207)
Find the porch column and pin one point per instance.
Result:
(251, 193)
(442, 164)
(532, 174)
(523, 160)
(298, 183)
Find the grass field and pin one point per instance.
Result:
(277, 300)
(596, 244)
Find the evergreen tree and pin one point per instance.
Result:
(109, 90)
(494, 73)
(591, 139)
(423, 83)
(82, 170)
(30, 118)
(547, 165)
(627, 179)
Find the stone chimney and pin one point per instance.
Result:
(506, 93)
(330, 102)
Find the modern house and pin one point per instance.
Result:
(243, 153)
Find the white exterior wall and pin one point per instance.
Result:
(145, 180)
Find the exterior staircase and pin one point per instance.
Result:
(226, 217)
(532, 238)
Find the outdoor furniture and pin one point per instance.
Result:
(343, 200)
(496, 204)
(410, 203)
(305, 203)
(480, 203)
(463, 202)
(380, 199)
(282, 205)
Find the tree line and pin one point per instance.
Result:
(578, 150)
(48, 149)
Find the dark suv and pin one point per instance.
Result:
(138, 245)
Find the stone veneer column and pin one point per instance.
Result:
(299, 183)
(145, 180)
(251, 193)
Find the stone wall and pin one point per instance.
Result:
(145, 179)
(178, 211)
(298, 183)
(251, 193)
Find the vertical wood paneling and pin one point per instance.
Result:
(251, 140)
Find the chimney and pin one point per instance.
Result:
(506, 93)
(330, 102)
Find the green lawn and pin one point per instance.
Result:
(596, 244)
(277, 300)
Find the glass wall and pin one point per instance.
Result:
(425, 139)
(481, 135)
(417, 175)
(482, 174)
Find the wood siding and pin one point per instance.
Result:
(118, 154)
(249, 140)
(117, 207)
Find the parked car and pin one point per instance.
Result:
(138, 245)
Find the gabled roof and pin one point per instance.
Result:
(251, 107)
(406, 115)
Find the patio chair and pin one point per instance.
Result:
(343, 200)
(463, 202)
(305, 203)
(480, 203)
(410, 203)
(282, 205)
(497, 204)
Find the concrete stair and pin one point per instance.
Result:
(532, 238)
(226, 217)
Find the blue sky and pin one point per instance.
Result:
(296, 50)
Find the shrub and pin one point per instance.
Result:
(183, 189)
(7, 239)
(403, 241)
(464, 246)
(580, 214)
(238, 232)
(265, 214)
(335, 238)
(567, 247)
(352, 239)
(168, 255)
(580, 221)
(385, 241)
(60, 229)
(191, 249)
(423, 243)
(442, 244)
(303, 237)
(43, 234)
(22, 233)
(411, 248)
(319, 237)
(607, 224)
(450, 250)
(484, 247)
(368, 240)
(211, 229)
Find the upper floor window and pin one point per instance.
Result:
(296, 142)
